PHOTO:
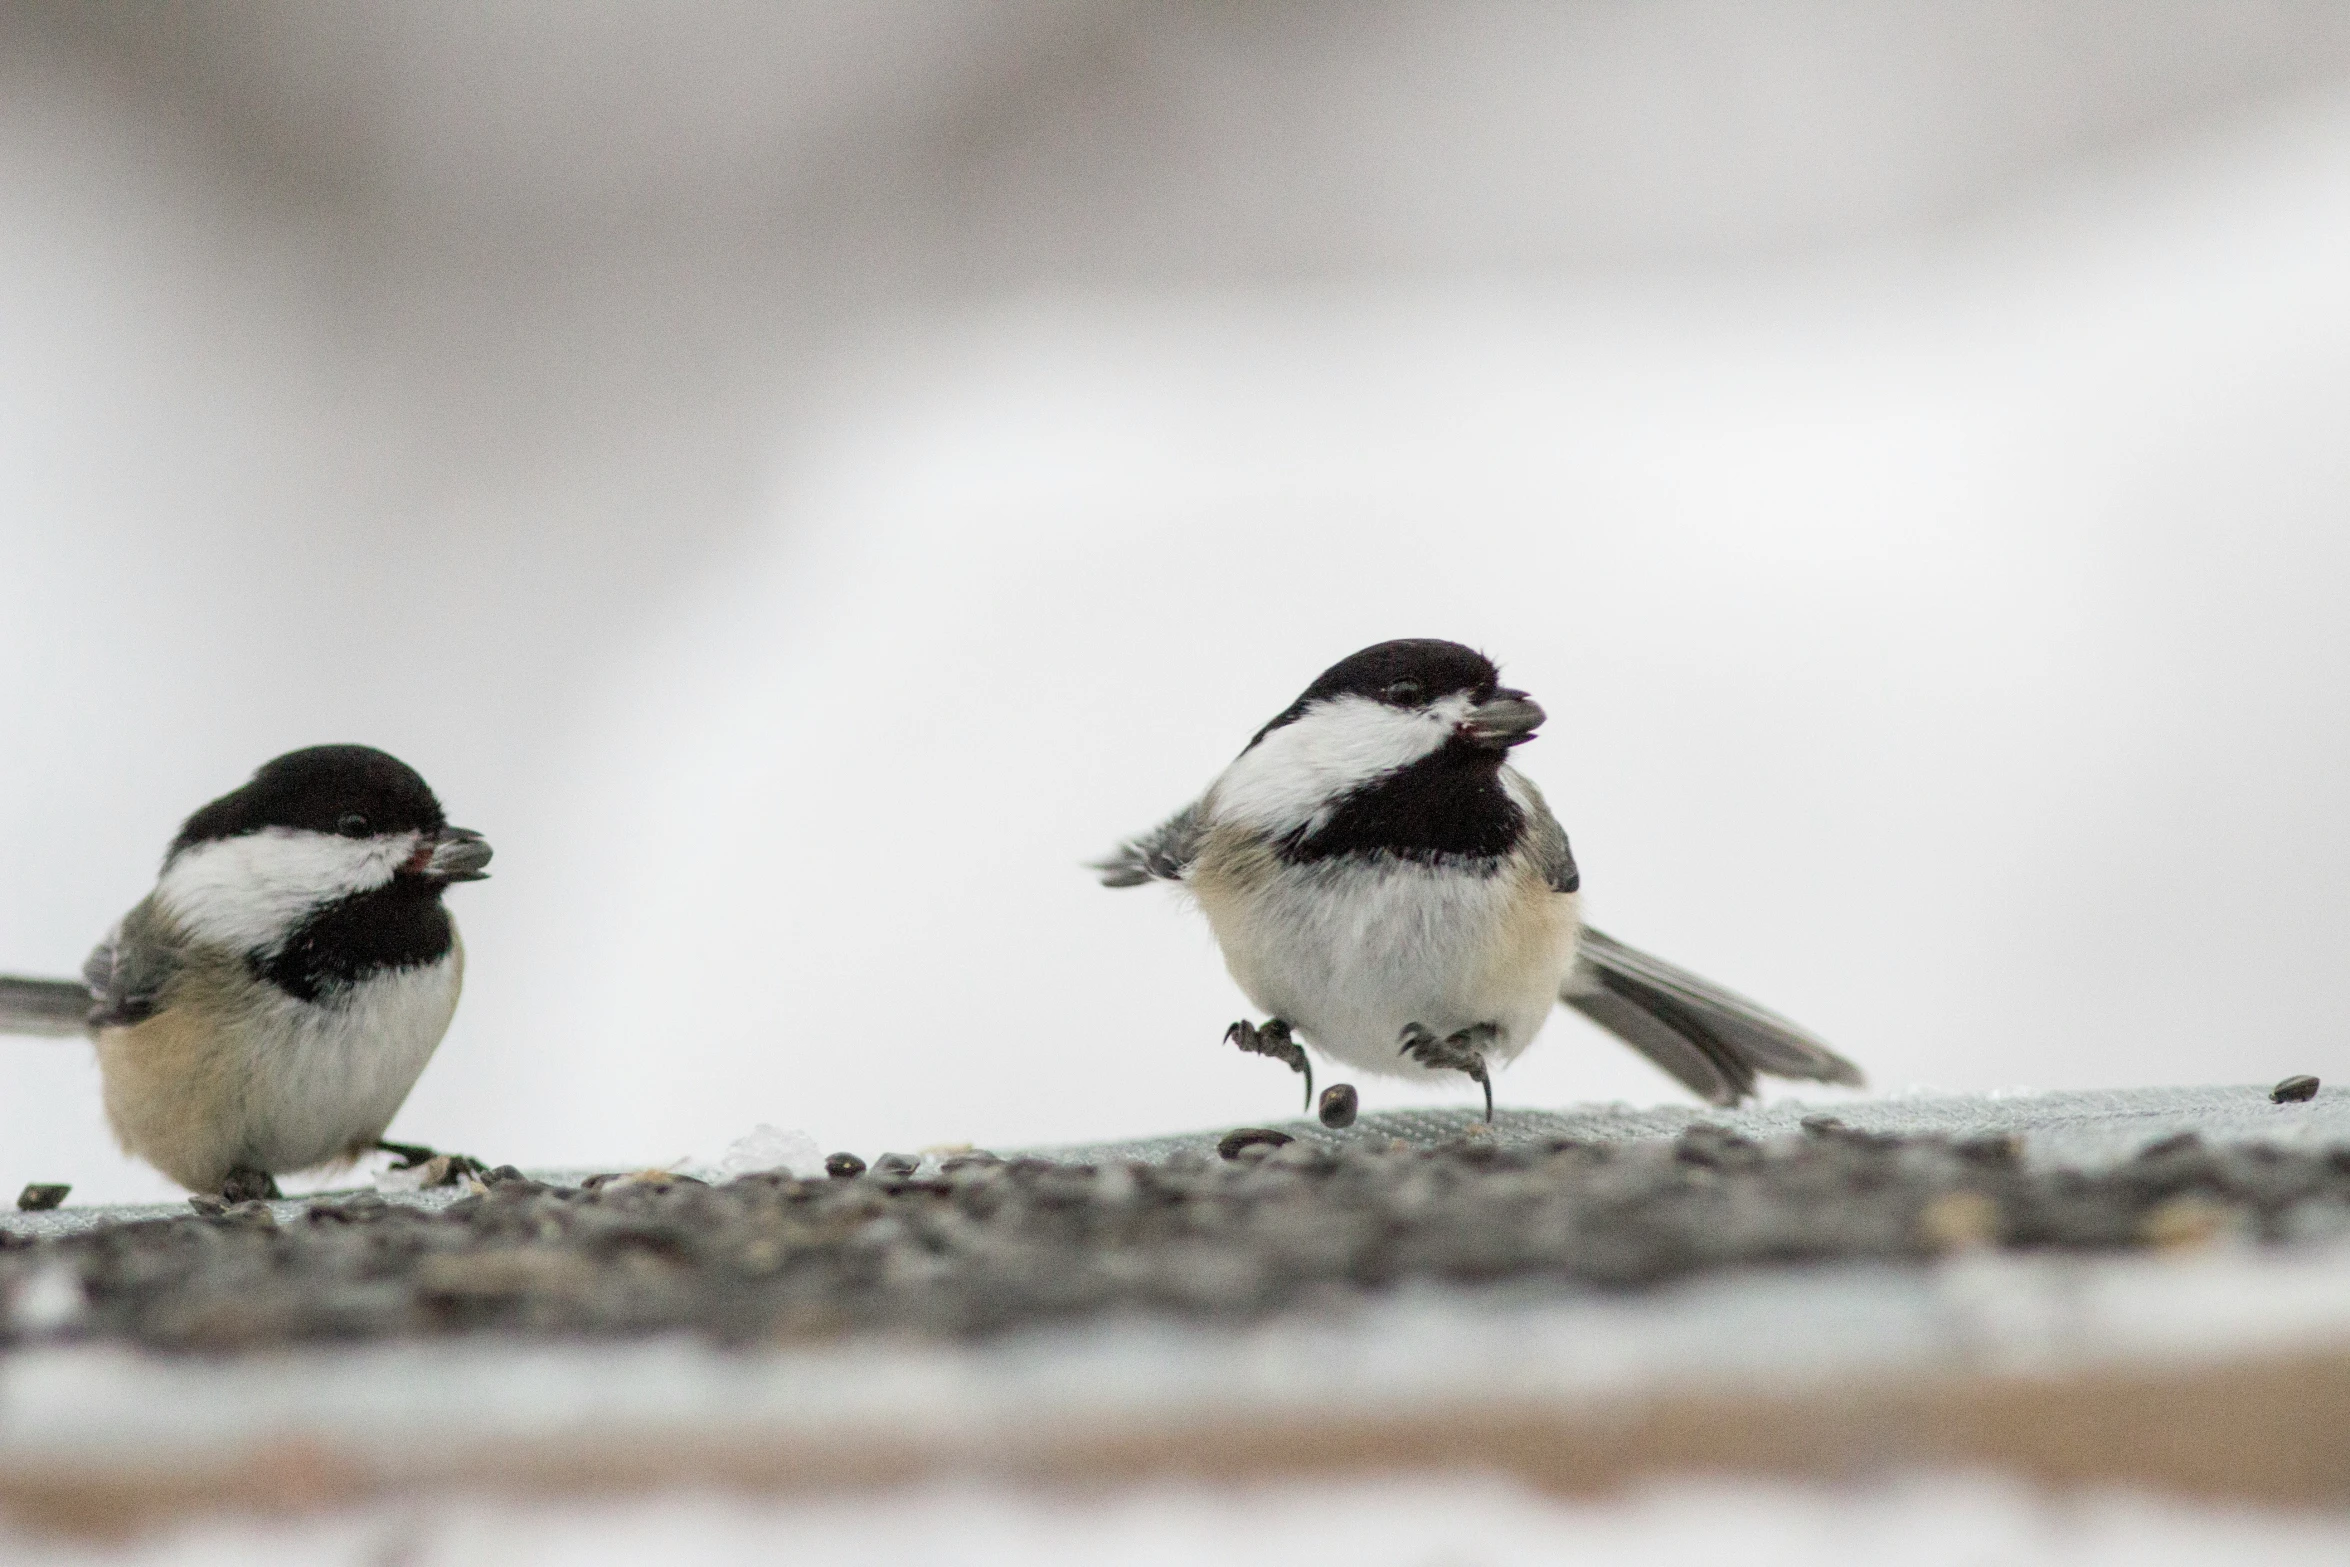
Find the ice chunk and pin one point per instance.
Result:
(392, 1178)
(761, 1150)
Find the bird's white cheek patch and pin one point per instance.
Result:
(246, 893)
(1295, 775)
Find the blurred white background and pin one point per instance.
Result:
(801, 478)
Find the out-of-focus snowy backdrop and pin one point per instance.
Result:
(802, 477)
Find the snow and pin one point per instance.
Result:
(1419, 1350)
(1920, 1520)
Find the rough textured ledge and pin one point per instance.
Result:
(1576, 1297)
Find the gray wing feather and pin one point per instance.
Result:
(1553, 854)
(127, 972)
(122, 982)
(1712, 1039)
(1162, 854)
(1546, 840)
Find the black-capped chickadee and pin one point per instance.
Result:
(1390, 891)
(268, 1006)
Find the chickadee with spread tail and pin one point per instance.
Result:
(1390, 891)
(268, 1006)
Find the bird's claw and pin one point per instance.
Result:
(1458, 1052)
(243, 1183)
(405, 1156)
(441, 1169)
(1272, 1038)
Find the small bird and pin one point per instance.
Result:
(1390, 891)
(268, 1006)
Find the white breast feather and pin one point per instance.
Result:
(1353, 952)
(324, 1076)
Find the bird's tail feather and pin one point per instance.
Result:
(1711, 1039)
(43, 1006)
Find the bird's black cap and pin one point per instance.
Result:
(1407, 672)
(355, 791)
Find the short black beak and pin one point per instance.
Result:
(1505, 719)
(456, 854)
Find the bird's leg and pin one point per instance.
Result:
(243, 1183)
(407, 1156)
(1271, 1038)
(1462, 1052)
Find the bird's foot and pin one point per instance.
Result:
(1272, 1038)
(243, 1183)
(440, 1169)
(1462, 1052)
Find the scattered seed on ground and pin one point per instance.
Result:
(1232, 1143)
(41, 1196)
(2294, 1090)
(1338, 1106)
(991, 1245)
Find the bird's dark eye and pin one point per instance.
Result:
(352, 825)
(1406, 693)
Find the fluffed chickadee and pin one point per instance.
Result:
(268, 1006)
(1389, 890)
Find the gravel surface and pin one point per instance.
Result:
(978, 1245)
